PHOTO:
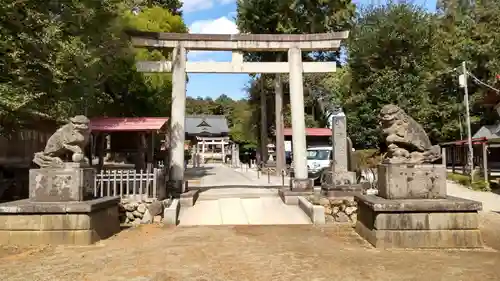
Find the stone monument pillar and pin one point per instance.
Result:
(338, 179)
(61, 208)
(412, 209)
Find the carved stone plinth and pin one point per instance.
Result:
(401, 181)
(419, 223)
(71, 183)
(301, 184)
(26, 222)
(340, 184)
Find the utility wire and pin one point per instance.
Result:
(482, 83)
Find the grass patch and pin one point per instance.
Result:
(479, 184)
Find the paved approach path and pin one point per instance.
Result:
(490, 200)
(237, 196)
(210, 175)
(242, 211)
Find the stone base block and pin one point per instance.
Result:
(188, 199)
(290, 197)
(402, 181)
(301, 184)
(61, 184)
(72, 223)
(421, 238)
(330, 179)
(343, 190)
(419, 223)
(315, 213)
(171, 213)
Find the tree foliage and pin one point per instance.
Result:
(54, 52)
(400, 53)
(174, 6)
(397, 53)
(291, 17)
(72, 57)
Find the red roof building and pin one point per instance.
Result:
(128, 124)
(311, 132)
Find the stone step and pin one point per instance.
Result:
(234, 195)
(219, 193)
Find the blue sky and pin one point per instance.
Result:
(217, 17)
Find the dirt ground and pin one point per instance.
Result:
(156, 253)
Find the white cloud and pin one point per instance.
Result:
(222, 25)
(200, 5)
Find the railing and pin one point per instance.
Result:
(139, 185)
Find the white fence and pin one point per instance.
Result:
(130, 183)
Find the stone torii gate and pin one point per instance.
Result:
(180, 43)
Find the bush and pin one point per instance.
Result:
(366, 159)
(479, 183)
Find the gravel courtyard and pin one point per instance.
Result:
(226, 253)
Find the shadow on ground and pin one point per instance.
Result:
(197, 173)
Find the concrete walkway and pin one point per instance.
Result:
(490, 200)
(220, 175)
(237, 211)
(237, 196)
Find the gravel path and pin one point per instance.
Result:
(154, 253)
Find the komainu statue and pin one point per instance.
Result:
(70, 138)
(406, 140)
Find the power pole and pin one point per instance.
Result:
(470, 156)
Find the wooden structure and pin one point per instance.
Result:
(486, 156)
(132, 184)
(209, 137)
(140, 139)
(18, 142)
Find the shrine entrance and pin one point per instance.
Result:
(238, 44)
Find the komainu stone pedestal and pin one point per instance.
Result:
(60, 210)
(25, 222)
(71, 183)
(419, 223)
(403, 181)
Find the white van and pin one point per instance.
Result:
(318, 158)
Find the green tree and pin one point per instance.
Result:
(174, 6)
(72, 57)
(55, 55)
(292, 17)
(400, 53)
(141, 94)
